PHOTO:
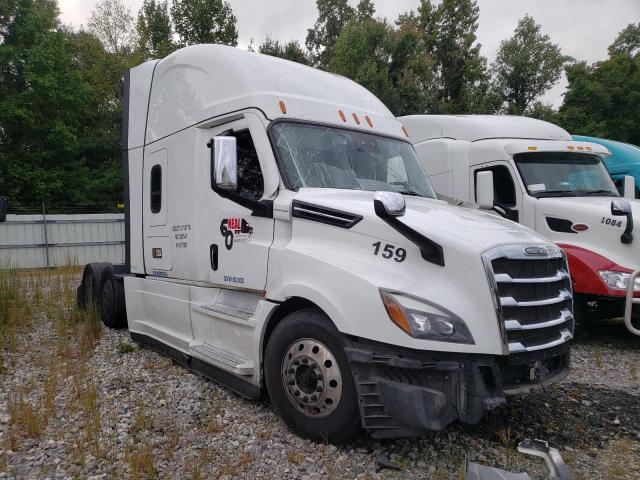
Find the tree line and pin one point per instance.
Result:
(60, 87)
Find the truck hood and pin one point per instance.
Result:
(604, 230)
(453, 227)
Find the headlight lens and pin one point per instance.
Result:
(618, 280)
(425, 320)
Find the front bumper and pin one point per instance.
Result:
(405, 392)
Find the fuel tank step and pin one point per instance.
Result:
(222, 358)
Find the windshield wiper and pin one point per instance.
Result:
(607, 193)
(555, 193)
(410, 193)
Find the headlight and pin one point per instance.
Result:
(618, 280)
(425, 320)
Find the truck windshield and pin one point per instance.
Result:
(564, 174)
(327, 157)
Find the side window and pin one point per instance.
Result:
(250, 181)
(504, 190)
(156, 189)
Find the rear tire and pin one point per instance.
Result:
(305, 355)
(112, 309)
(92, 283)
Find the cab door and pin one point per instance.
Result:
(233, 250)
(506, 191)
(237, 236)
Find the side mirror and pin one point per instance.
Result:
(4, 206)
(620, 208)
(392, 203)
(484, 190)
(629, 187)
(224, 163)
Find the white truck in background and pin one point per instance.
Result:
(282, 236)
(532, 172)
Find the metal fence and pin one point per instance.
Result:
(37, 241)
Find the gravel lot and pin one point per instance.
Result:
(79, 401)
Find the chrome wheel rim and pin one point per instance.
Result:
(311, 378)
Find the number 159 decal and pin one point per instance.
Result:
(388, 251)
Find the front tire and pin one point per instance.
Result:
(309, 380)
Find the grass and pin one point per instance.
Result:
(39, 306)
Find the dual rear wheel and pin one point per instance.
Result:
(103, 291)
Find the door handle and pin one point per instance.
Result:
(213, 256)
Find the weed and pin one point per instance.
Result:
(172, 443)
(294, 457)
(597, 357)
(633, 369)
(141, 461)
(124, 348)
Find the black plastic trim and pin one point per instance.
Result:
(560, 225)
(317, 213)
(241, 387)
(259, 208)
(126, 91)
(430, 250)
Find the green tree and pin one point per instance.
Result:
(527, 65)
(542, 111)
(204, 21)
(333, 15)
(627, 43)
(448, 34)
(603, 99)
(290, 50)
(389, 62)
(154, 30)
(46, 108)
(112, 23)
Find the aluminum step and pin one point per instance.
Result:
(222, 358)
(229, 310)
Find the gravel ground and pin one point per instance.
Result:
(118, 411)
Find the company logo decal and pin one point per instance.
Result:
(235, 230)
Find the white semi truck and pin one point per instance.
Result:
(532, 172)
(282, 237)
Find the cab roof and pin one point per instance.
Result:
(622, 154)
(480, 127)
(201, 82)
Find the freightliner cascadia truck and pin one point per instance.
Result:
(533, 172)
(283, 238)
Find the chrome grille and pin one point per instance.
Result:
(533, 298)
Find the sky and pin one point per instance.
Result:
(583, 28)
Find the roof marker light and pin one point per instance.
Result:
(368, 120)
(533, 148)
(588, 148)
(342, 115)
(571, 147)
(405, 131)
(580, 148)
(283, 107)
(355, 117)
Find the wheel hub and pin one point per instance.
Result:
(311, 378)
